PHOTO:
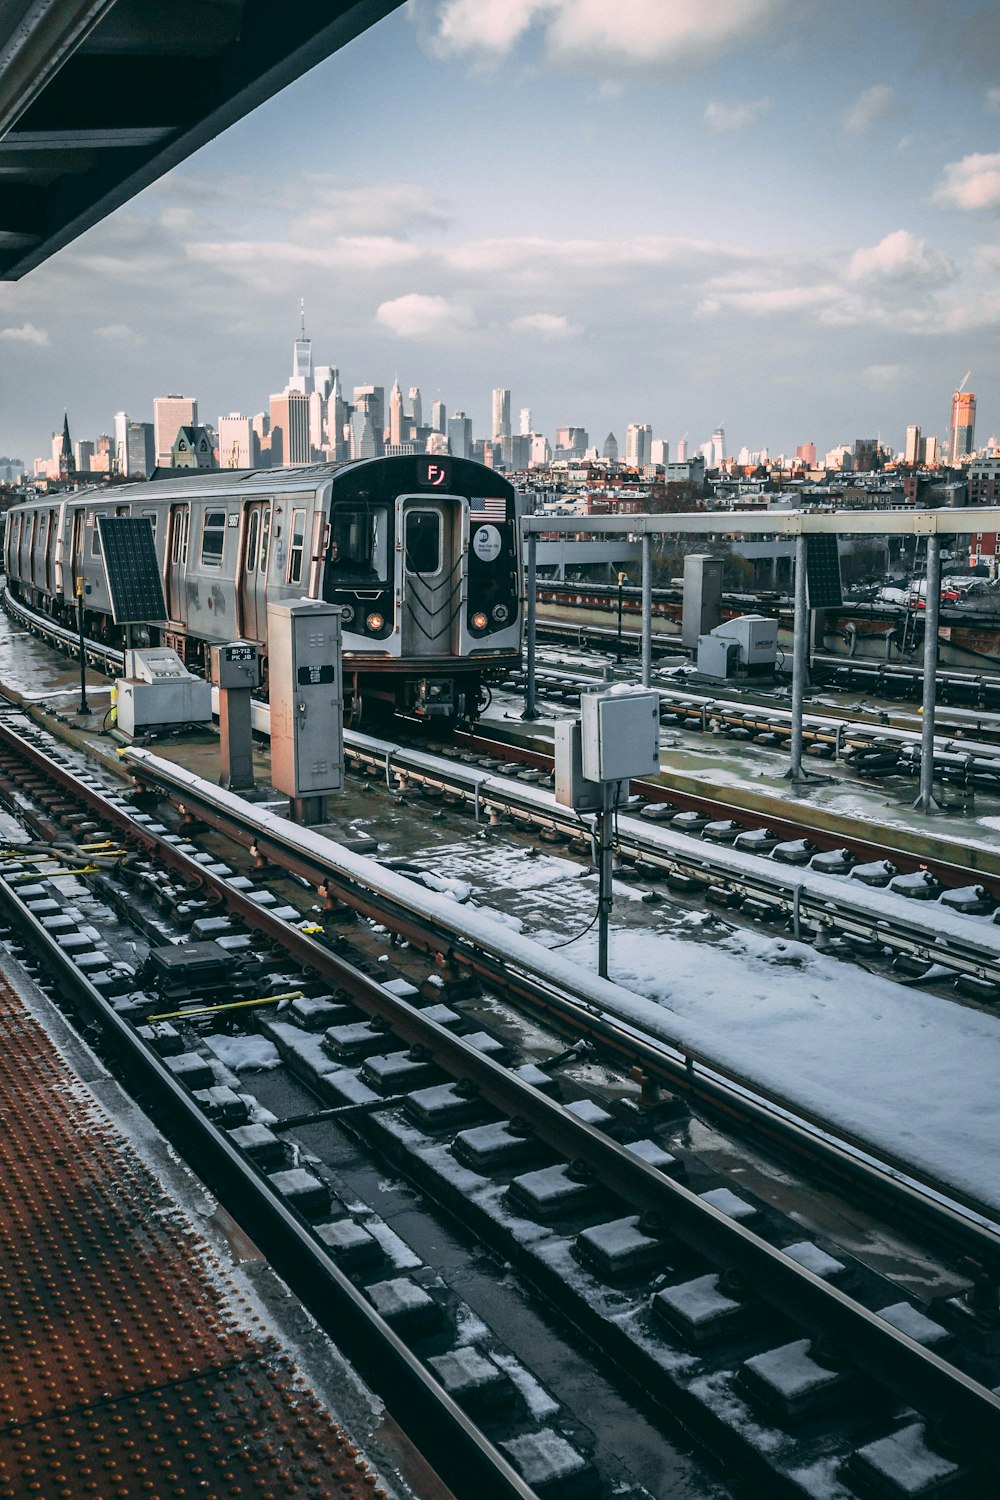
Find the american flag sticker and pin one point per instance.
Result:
(488, 507)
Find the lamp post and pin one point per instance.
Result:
(84, 705)
(622, 581)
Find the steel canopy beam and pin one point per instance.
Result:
(948, 521)
(120, 93)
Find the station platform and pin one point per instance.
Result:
(137, 1356)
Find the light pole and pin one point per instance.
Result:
(622, 581)
(84, 705)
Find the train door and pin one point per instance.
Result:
(178, 527)
(253, 570)
(432, 576)
(49, 546)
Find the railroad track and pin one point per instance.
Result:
(869, 744)
(792, 1364)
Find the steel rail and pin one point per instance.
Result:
(460, 1451)
(671, 1062)
(965, 1224)
(823, 901)
(912, 1372)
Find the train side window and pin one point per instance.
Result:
(296, 546)
(95, 541)
(265, 538)
(179, 522)
(213, 538)
(253, 534)
(423, 541)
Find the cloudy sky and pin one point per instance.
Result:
(782, 215)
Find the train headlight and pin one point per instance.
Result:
(501, 613)
(374, 622)
(479, 621)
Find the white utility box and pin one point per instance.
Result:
(757, 636)
(718, 656)
(305, 686)
(572, 787)
(158, 689)
(620, 734)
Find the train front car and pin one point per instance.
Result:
(424, 559)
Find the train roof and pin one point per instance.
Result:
(193, 483)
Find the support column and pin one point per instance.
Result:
(605, 837)
(800, 649)
(932, 611)
(530, 712)
(647, 609)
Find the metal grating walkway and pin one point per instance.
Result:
(131, 1364)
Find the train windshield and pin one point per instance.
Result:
(359, 545)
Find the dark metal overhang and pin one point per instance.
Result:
(99, 98)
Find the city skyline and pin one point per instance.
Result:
(810, 249)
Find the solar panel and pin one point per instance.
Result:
(823, 572)
(131, 569)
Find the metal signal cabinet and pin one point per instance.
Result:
(620, 734)
(306, 696)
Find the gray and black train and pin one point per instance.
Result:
(421, 553)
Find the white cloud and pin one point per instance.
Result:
(880, 377)
(26, 334)
(416, 315)
(972, 183)
(903, 259)
(725, 119)
(338, 206)
(548, 325)
(120, 333)
(631, 36)
(877, 103)
(538, 255)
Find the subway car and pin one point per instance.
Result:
(421, 552)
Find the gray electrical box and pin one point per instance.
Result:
(620, 734)
(718, 656)
(702, 609)
(236, 665)
(306, 696)
(158, 689)
(572, 787)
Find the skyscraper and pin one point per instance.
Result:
(170, 414)
(369, 400)
(638, 444)
(140, 450)
(501, 415)
(238, 448)
(120, 429)
(963, 425)
(290, 428)
(460, 435)
(396, 434)
(337, 423)
(912, 453)
(302, 360)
